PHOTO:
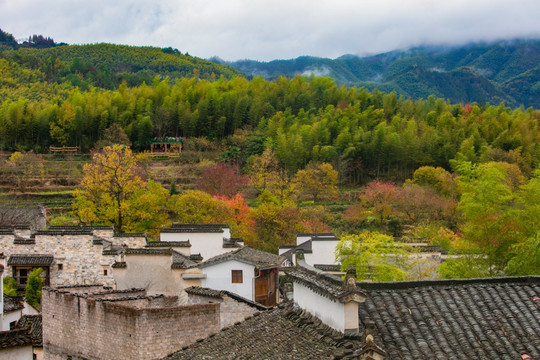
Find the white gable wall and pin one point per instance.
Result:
(329, 312)
(207, 244)
(300, 239)
(219, 277)
(323, 252)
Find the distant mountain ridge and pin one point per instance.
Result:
(506, 71)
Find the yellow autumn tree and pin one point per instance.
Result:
(113, 191)
(316, 180)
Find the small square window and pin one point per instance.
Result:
(105, 272)
(60, 267)
(237, 277)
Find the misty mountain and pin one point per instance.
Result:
(506, 71)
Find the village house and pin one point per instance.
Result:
(206, 240)
(496, 318)
(66, 254)
(247, 272)
(159, 269)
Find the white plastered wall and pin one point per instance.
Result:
(323, 252)
(330, 312)
(207, 244)
(219, 277)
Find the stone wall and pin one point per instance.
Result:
(82, 260)
(130, 240)
(82, 326)
(231, 310)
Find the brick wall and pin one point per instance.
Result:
(83, 326)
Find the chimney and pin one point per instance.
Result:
(351, 302)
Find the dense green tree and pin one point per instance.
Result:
(375, 256)
(32, 291)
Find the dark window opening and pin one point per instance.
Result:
(60, 267)
(237, 277)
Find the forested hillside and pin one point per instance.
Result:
(272, 158)
(105, 65)
(506, 71)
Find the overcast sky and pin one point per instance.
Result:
(272, 29)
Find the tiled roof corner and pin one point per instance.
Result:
(323, 285)
(180, 261)
(219, 294)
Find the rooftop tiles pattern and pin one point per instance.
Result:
(219, 294)
(12, 304)
(180, 261)
(30, 259)
(325, 285)
(15, 338)
(456, 320)
(248, 255)
(168, 244)
(283, 334)
(34, 325)
(195, 228)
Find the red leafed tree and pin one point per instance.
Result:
(242, 222)
(379, 197)
(222, 179)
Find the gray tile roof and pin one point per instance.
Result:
(15, 338)
(480, 319)
(34, 325)
(81, 227)
(219, 294)
(155, 244)
(30, 259)
(180, 261)
(248, 255)
(328, 267)
(12, 304)
(305, 246)
(145, 251)
(119, 265)
(283, 334)
(64, 232)
(121, 235)
(322, 284)
(456, 319)
(195, 228)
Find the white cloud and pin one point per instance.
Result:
(278, 29)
